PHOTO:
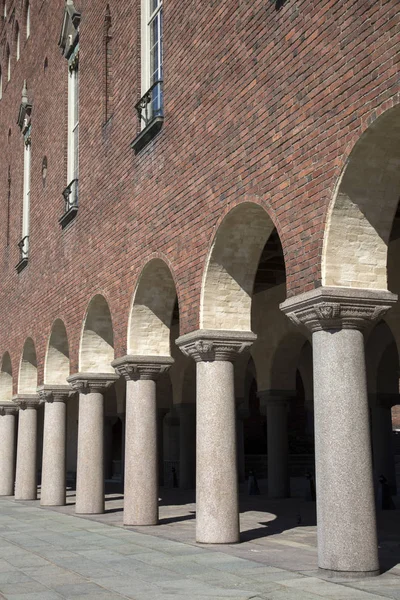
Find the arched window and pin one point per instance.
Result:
(17, 41)
(28, 19)
(8, 58)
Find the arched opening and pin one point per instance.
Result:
(360, 220)
(6, 380)
(97, 341)
(152, 311)
(232, 266)
(27, 380)
(57, 367)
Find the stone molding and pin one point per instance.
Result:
(338, 308)
(208, 345)
(8, 408)
(142, 367)
(55, 393)
(89, 383)
(25, 401)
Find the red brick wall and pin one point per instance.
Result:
(259, 104)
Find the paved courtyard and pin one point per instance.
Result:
(52, 554)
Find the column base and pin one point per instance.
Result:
(348, 574)
(154, 524)
(218, 543)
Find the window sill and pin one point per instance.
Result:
(21, 265)
(68, 216)
(147, 134)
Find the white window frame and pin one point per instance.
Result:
(26, 201)
(18, 42)
(147, 18)
(73, 126)
(28, 20)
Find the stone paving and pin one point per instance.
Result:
(52, 554)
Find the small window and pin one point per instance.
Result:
(8, 55)
(17, 41)
(28, 19)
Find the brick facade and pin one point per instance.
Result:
(261, 105)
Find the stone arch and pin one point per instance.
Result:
(363, 208)
(27, 379)
(6, 379)
(231, 268)
(57, 366)
(152, 310)
(285, 361)
(97, 340)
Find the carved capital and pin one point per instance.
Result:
(210, 345)
(142, 367)
(25, 401)
(89, 383)
(8, 408)
(55, 393)
(338, 308)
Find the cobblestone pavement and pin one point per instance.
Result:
(52, 554)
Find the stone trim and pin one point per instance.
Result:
(338, 308)
(142, 367)
(208, 345)
(8, 408)
(55, 393)
(88, 383)
(24, 401)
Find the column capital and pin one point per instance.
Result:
(142, 367)
(25, 401)
(88, 383)
(338, 308)
(55, 393)
(8, 408)
(208, 345)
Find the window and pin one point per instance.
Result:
(28, 19)
(150, 107)
(69, 44)
(8, 55)
(24, 122)
(17, 41)
(73, 129)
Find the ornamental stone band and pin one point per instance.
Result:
(209, 345)
(89, 383)
(338, 308)
(55, 393)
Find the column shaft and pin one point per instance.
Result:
(187, 446)
(141, 460)
(90, 467)
(277, 447)
(53, 492)
(7, 454)
(347, 538)
(26, 472)
(216, 479)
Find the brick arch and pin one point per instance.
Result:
(27, 377)
(96, 351)
(57, 364)
(363, 207)
(231, 268)
(6, 379)
(152, 309)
